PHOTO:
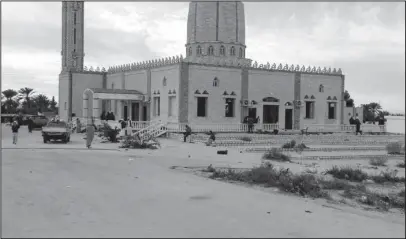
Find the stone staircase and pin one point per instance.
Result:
(152, 131)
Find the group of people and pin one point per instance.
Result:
(188, 132)
(107, 116)
(357, 123)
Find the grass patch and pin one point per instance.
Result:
(337, 184)
(381, 161)
(395, 148)
(348, 173)
(309, 185)
(276, 155)
(266, 175)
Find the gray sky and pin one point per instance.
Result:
(365, 40)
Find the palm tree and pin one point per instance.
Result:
(372, 111)
(42, 102)
(26, 94)
(52, 104)
(10, 104)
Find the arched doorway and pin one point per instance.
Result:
(270, 110)
(288, 115)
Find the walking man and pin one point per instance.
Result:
(14, 128)
(90, 129)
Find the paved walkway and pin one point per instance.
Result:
(134, 193)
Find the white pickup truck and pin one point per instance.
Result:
(56, 130)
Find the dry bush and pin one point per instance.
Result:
(246, 138)
(401, 164)
(348, 173)
(387, 176)
(267, 175)
(395, 148)
(276, 155)
(381, 161)
(131, 142)
(289, 145)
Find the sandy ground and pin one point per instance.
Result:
(57, 190)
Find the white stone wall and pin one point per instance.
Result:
(136, 80)
(263, 84)
(116, 81)
(171, 74)
(80, 82)
(64, 96)
(348, 112)
(332, 87)
(201, 78)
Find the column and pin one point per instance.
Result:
(129, 109)
(96, 110)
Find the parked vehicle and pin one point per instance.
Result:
(56, 131)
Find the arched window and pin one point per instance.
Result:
(232, 51)
(321, 88)
(210, 51)
(190, 51)
(216, 82)
(112, 86)
(199, 50)
(240, 53)
(222, 50)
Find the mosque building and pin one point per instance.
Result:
(214, 83)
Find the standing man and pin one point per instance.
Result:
(357, 126)
(250, 124)
(14, 128)
(187, 133)
(30, 124)
(128, 126)
(78, 126)
(351, 120)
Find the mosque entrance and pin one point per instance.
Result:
(125, 112)
(135, 111)
(288, 118)
(144, 113)
(270, 114)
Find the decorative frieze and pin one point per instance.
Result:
(146, 64)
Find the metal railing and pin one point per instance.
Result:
(367, 128)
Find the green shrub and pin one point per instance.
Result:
(289, 145)
(277, 155)
(348, 173)
(395, 148)
(381, 161)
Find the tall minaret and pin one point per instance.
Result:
(72, 35)
(216, 29)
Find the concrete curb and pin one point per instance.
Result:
(63, 149)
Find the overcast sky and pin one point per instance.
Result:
(365, 40)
